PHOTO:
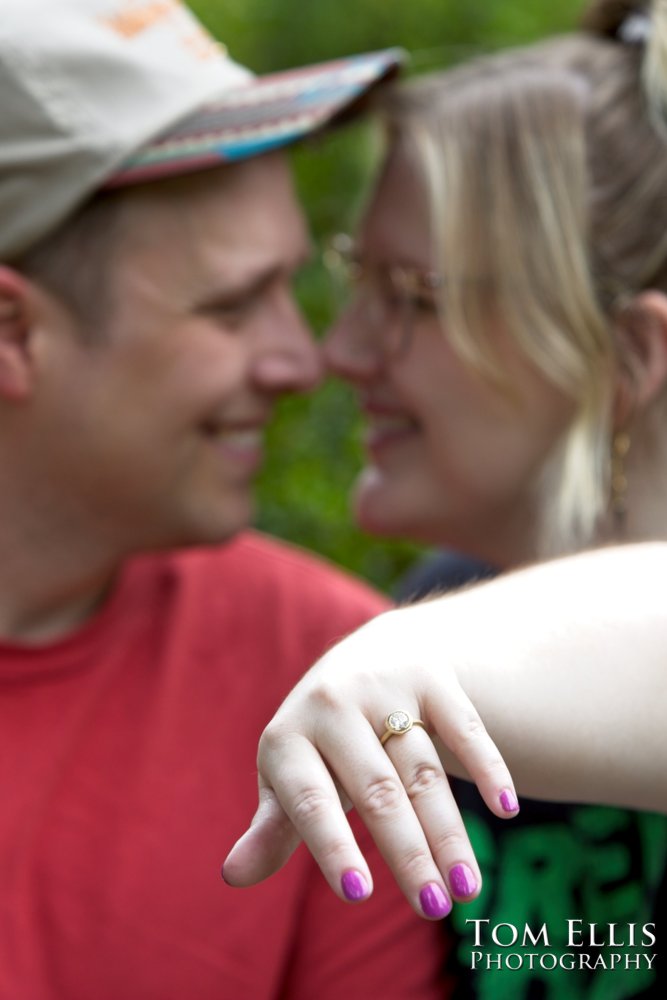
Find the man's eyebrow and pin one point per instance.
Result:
(253, 284)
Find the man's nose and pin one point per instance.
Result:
(289, 359)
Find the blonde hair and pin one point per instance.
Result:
(547, 178)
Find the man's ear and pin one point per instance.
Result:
(15, 361)
(642, 341)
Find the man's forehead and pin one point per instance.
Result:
(243, 218)
(266, 178)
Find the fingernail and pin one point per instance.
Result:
(462, 882)
(508, 801)
(355, 886)
(434, 902)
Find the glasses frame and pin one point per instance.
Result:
(408, 285)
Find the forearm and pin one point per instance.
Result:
(567, 665)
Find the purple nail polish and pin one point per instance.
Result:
(434, 902)
(354, 885)
(462, 882)
(508, 801)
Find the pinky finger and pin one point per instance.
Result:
(462, 733)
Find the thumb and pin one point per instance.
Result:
(264, 847)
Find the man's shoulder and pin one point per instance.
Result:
(270, 566)
(256, 553)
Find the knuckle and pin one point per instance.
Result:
(382, 797)
(335, 850)
(273, 736)
(471, 731)
(326, 696)
(492, 766)
(448, 841)
(424, 779)
(272, 740)
(309, 805)
(412, 863)
(472, 743)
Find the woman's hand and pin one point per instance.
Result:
(566, 662)
(322, 752)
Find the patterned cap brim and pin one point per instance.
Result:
(267, 112)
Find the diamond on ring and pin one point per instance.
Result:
(397, 723)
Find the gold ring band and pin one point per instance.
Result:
(397, 723)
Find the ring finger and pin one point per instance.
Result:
(416, 761)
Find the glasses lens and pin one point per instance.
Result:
(390, 296)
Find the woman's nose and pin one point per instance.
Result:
(353, 345)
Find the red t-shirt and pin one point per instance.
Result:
(127, 770)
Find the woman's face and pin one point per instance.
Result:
(450, 460)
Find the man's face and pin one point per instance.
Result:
(152, 432)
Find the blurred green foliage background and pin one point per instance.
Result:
(314, 450)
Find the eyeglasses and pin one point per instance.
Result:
(393, 296)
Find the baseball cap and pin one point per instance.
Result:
(105, 93)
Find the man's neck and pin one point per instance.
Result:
(49, 593)
(53, 621)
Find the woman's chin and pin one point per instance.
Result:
(403, 507)
(378, 511)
